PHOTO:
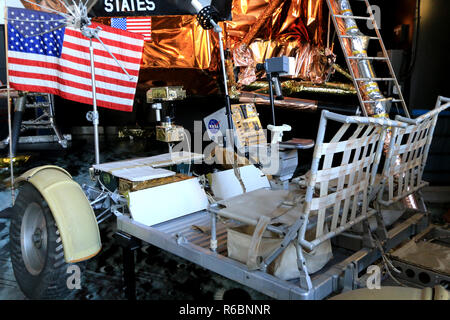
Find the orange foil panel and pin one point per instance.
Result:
(289, 19)
(311, 64)
(52, 4)
(178, 42)
(261, 29)
(270, 28)
(43, 5)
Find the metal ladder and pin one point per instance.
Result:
(384, 57)
(46, 119)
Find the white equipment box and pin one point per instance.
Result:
(159, 204)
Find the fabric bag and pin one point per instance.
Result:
(285, 265)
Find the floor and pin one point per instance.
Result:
(160, 275)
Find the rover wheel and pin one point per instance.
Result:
(37, 252)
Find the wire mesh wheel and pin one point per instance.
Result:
(37, 252)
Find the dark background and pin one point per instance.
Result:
(166, 7)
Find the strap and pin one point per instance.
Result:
(261, 226)
(253, 250)
(291, 202)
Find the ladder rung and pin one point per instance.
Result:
(375, 79)
(374, 101)
(31, 127)
(42, 123)
(351, 17)
(368, 58)
(349, 37)
(37, 105)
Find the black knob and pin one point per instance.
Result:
(260, 67)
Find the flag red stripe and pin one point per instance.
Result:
(62, 75)
(102, 53)
(108, 42)
(55, 66)
(69, 83)
(98, 64)
(74, 97)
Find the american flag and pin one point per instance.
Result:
(44, 56)
(140, 25)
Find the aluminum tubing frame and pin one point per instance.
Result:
(298, 229)
(323, 284)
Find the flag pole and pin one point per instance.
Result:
(94, 104)
(8, 89)
(93, 34)
(90, 33)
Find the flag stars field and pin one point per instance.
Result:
(47, 56)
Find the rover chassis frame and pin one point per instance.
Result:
(179, 238)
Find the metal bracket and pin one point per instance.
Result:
(180, 239)
(368, 240)
(290, 235)
(381, 231)
(421, 203)
(92, 116)
(350, 277)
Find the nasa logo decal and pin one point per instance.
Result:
(213, 126)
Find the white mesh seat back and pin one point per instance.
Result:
(351, 158)
(407, 156)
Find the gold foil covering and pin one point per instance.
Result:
(52, 4)
(19, 160)
(284, 20)
(170, 133)
(261, 29)
(291, 88)
(311, 63)
(180, 46)
(126, 186)
(178, 42)
(287, 103)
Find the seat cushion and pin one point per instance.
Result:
(274, 204)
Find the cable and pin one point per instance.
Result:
(48, 8)
(210, 198)
(65, 5)
(387, 263)
(237, 172)
(45, 32)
